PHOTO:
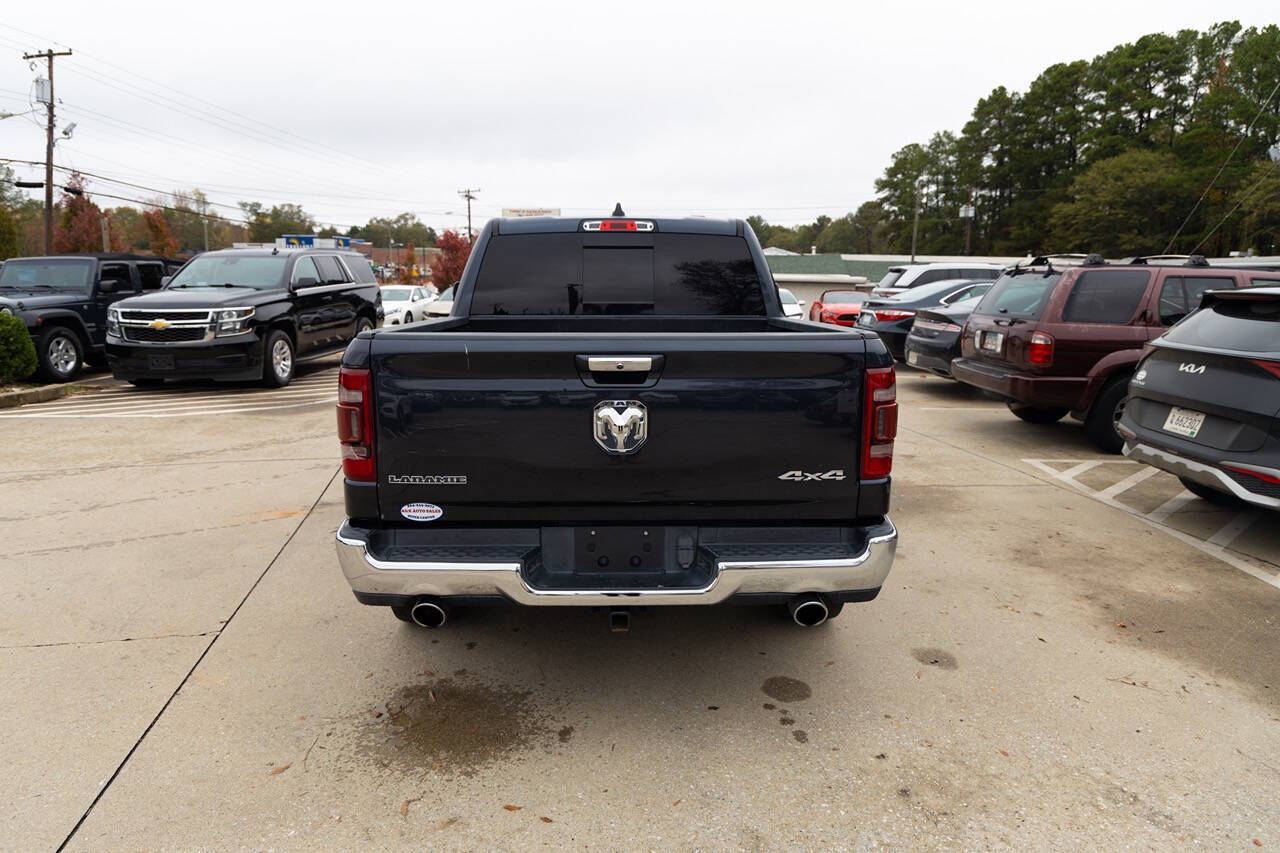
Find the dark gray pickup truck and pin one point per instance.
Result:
(616, 414)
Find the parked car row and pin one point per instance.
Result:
(1170, 360)
(232, 314)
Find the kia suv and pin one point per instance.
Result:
(1204, 402)
(1055, 340)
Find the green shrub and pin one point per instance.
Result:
(17, 352)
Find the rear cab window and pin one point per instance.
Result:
(1022, 294)
(590, 274)
(1106, 296)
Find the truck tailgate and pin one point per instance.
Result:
(501, 428)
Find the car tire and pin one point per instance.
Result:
(364, 324)
(60, 353)
(1104, 414)
(1037, 414)
(278, 359)
(146, 382)
(1209, 493)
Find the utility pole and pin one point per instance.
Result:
(204, 221)
(915, 221)
(48, 150)
(469, 195)
(966, 212)
(106, 234)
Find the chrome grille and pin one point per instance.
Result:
(176, 315)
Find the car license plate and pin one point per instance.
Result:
(992, 341)
(160, 362)
(867, 319)
(913, 357)
(1184, 422)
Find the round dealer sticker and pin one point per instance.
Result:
(421, 512)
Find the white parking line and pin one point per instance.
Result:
(1215, 546)
(1129, 482)
(314, 389)
(1169, 507)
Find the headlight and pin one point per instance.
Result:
(5, 309)
(233, 321)
(113, 322)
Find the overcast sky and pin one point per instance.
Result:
(363, 109)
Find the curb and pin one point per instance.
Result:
(10, 399)
(44, 393)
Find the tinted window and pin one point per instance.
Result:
(1237, 325)
(47, 272)
(118, 274)
(889, 278)
(331, 272)
(1180, 296)
(1264, 282)
(306, 268)
(1019, 295)
(556, 274)
(1105, 296)
(258, 271)
(989, 275)
(929, 276)
(360, 268)
(150, 275)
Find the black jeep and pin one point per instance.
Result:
(63, 301)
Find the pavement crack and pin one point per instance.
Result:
(112, 640)
(106, 786)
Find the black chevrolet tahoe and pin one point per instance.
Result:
(616, 414)
(63, 300)
(244, 314)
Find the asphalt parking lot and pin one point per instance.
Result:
(1069, 651)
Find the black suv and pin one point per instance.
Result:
(1204, 403)
(63, 300)
(243, 314)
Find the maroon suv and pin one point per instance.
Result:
(1053, 341)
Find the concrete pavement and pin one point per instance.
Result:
(1047, 666)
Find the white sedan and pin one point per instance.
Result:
(792, 308)
(404, 303)
(443, 304)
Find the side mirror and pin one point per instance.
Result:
(164, 281)
(801, 303)
(108, 286)
(305, 281)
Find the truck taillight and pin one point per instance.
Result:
(355, 424)
(881, 424)
(1040, 350)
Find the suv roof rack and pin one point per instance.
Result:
(1064, 259)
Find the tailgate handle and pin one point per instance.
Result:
(619, 364)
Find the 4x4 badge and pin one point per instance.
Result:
(803, 476)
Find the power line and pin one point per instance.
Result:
(1218, 174)
(1242, 200)
(469, 195)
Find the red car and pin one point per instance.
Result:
(837, 307)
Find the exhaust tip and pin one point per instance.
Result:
(808, 611)
(429, 614)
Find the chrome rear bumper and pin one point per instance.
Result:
(371, 576)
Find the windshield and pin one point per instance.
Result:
(47, 274)
(832, 296)
(1022, 294)
(261, 272)
(890, 277)
(447, 296)
(395, 294)
(787, 296)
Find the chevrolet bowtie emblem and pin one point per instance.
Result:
(159, 324)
